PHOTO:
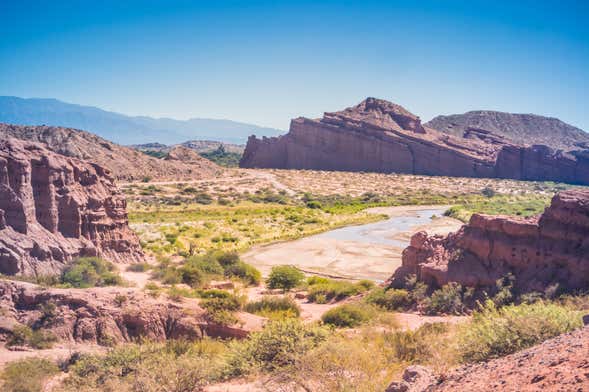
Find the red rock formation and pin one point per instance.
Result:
(540, 251)
(54, 208)
(380, 136)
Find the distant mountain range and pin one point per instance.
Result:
(123, 129)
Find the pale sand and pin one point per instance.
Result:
(347, 259)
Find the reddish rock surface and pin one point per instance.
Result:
(558, 364)
(552, 248)
(108, 315)
(380, 136)
(54, 208)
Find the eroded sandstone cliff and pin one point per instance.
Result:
(54, 208)
(549, 249)
(380, 136)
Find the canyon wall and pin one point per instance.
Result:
(541, 251)
(380, 136)
(54, 209)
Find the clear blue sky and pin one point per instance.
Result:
(267, 62)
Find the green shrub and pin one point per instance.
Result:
(221, 305)
(268, 306)
(391, 299)
(27, 375)
(23, 335)
(175, 365)
(192, 275)
(246, 272)
(284, 277)
(494, 332)
(311, 280)
(207, 263)
(334, 290)
(90, 272)
(281, 343)
(446, 300)
(347, 315)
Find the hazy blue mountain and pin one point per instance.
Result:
(123, 129)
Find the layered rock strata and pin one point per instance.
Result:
(541, 251)
(54, 209)
(380, 136)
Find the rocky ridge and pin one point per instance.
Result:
(54, 208)
(380, 136)
(545, 250)
(523, 129)
(124, 163)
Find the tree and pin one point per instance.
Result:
(284, 277)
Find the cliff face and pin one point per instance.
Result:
(541, 251)
(379, 136)
(53, 209)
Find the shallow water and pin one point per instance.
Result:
(382, 232)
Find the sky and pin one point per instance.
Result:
(266, 62)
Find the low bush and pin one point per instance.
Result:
(391, 299)
(447, 300)
(347, 315)
(221, 305)
(90, 272)
(246, 272)
(284, 277)
(27, 375)
(416, 346)
(334, 290)
(280, 343)
(494, 332)
(175, 365)
(23, 335)
(274, 307)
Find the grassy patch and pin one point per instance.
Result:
(27, 375)
(496, 332)
(515, 205)
(347, 315)
(274, 307)
(90, 272)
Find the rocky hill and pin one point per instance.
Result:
(380, 136)
(550, 249)
(524, 129)
(123, 162)
(54, 208)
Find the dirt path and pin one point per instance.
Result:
(371, 251)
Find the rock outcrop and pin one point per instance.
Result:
(380, 136)
(54, 208)
(106, 315)
(124, 163)
(523, 129)
(558, 364)
(549, 249)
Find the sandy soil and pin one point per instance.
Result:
(347, 259)
(57, 353)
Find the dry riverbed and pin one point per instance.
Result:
(371, 251)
